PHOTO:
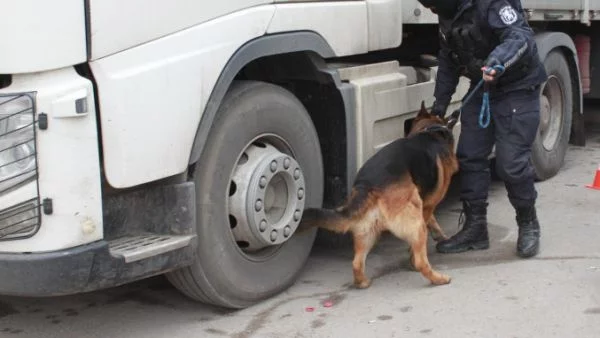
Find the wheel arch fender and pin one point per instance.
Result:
(303, 41)
(549, 41)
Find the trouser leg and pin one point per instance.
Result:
(516, 124)
(474, 147)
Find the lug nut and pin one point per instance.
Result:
(263, 226)
(286, 163)
(297, 215)
(300, 193)
(258, 205)
(273, 235)
(263, 182)
(287, 231)
(296, 174)
(273, 166)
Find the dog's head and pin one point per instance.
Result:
(425, 120)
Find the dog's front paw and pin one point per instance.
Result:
(438, 236)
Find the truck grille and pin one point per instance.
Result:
(18, 167)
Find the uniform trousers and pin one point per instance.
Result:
(515, 117)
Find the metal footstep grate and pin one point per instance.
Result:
(136, 248)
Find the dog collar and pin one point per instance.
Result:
(435, 127)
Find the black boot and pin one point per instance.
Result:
(528, 243)
(473, 235)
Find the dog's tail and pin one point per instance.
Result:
(339, 220)
(328, 219)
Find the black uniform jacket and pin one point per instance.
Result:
(487, 32)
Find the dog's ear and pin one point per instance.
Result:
(423, 112)
(452, 119)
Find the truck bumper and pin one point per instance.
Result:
(81, 269)
(151, 231)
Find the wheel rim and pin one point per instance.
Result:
(266, 197)
(551, 112)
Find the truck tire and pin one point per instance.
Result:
(556, 113)
(260, 168)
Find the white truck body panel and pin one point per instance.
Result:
(342, 17)
(161, 88)
(385, 23)
(153, 95)
(118, 25)
(375, 24)
(68, 164)
(388, 95)
(413, 13)
(41, 35)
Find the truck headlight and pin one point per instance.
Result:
(20, 221)
(17, 141)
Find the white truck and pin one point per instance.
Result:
(185, 137)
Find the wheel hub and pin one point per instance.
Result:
(544, 113)
(551, 113)
(266, 197)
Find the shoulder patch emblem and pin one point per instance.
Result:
(508, 15)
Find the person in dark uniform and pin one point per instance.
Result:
(491, 39)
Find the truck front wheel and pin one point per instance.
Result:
(260, 168)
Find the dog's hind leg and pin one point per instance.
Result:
(407, 223)
(363, 243)
(421, 262)
(436, 232)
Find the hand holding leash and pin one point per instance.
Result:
(484, 115)
(438, 109)
(488, 74)
(492, 70)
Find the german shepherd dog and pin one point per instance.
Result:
(397, 190)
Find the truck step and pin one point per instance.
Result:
(135, 248)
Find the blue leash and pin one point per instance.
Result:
(485, 112)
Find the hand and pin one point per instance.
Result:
(438, 110)
(489, 74)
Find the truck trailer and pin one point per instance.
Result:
(185, 138)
